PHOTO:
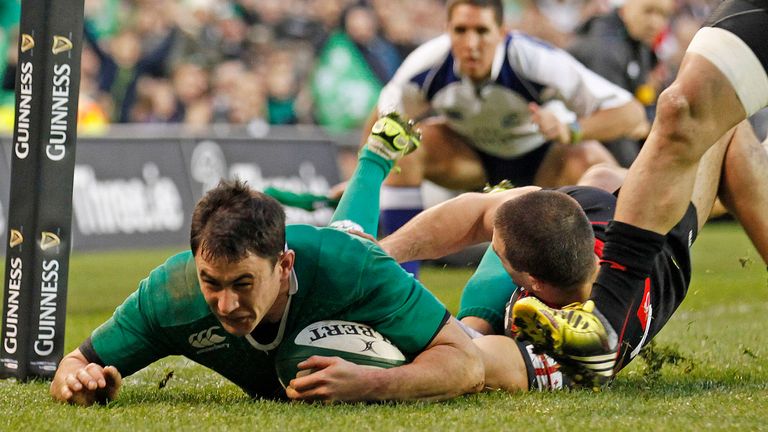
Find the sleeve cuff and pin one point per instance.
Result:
(86, 348)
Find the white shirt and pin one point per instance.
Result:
(494, 115)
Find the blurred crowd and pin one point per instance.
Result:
(260, 62)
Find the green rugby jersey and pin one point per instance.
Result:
(337, 276)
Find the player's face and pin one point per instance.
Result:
(474, 37)
(241, 294)
(544, 292)
(645, 19)
(520, 279)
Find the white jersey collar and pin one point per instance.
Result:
(293, 288)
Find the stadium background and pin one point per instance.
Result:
(173, 91)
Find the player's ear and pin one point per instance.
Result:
(535, 285)
(285, 263)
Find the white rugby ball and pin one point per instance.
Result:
(354, 342)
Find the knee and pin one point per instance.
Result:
(677, 125)
(673, 110)
(603, 176)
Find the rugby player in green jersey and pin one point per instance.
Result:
(249, 279)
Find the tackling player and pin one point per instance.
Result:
(249, 280)
(555, 246)
(722, 80)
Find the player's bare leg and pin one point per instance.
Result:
(744, 185)
(587, 353)
(607, 177)
(566, 164)
(504, 364)
(693, 113)
(708, 177)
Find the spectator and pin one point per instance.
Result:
(282, 89)
(155, 102)
(556, 20)
(328, 14)
(123, 64)
(620, 47)
(191, 85)
(362, 27)
(248, 102)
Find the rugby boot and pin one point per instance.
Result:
(577, 336)
(392, 137)
(502, 186)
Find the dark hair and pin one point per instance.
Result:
(232, 220)
(496, 5)
(547, 235)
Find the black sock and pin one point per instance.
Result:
(627, 260)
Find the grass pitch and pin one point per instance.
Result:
(708, 369)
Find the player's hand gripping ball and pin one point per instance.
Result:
(354, 342)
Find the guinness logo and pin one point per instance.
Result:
(27, 42)
(49, 240)
(16, 238)
(61, 44)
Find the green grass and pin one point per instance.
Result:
(721, 332)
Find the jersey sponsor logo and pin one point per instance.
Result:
(16, 238)
(49, 240)
(206, 338)
(27, 42)
(61, 44)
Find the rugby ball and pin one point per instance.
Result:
(354, 342)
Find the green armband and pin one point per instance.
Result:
(576, 132)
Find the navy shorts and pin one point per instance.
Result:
(520, 170)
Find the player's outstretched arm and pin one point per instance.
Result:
(449, 226)
(82, 383)
(450, 366)
(628, 121)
